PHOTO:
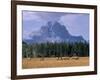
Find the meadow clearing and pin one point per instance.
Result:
(54, 62)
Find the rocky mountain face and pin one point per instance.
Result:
(53, 32)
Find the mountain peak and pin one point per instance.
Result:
(54, 32)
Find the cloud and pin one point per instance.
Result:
(77, 24)
(41, 16)
(50, 16)
(30, 15)
(26, 34)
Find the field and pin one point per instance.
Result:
(54, 62)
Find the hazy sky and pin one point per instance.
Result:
(77, 24)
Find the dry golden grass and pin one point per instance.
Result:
(53, 62)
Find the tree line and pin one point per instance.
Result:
(48, 49)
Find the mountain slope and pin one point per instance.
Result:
(53, 32)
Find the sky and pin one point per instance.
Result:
(76, 23)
